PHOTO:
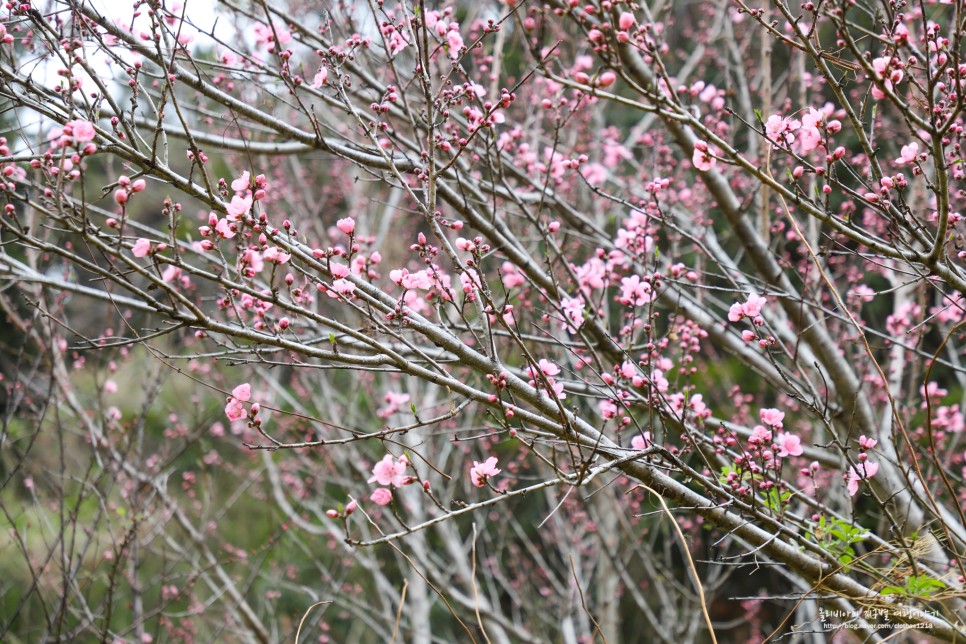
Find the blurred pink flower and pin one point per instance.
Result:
(82, 131)
(141, 247)
(640, 442)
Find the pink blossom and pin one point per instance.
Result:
(908, 154)
(234, 410)
(275, 254)
(659, 382)
(861, 472)
(933, 390)
(243, 182)
(701, 158)
(862, 293)
(886, 73)
(421, 280)
(626, 20)
(760, 436)
(480, 472)
(393, 402)
(342, 287)
(810, 136)
(225, 229)
(396, 39)
(381, 496)
(696, 403)
(788, 445)
(82, 130)
(548, 368)
(455, 42)
(734, 313)
(389, 471)
(242, 392)
(781, 129)
(867, 443)
(573, 309)
(238, 207)
(346, 225)
(170, 274)
(635, 291)
(640, 442)
(752, 308)
(141, 247)
(321, 77)
(607, 409)
(628, 369)
(772, 417)
(901, 34)
(266, 34)
(338, 270)
(558, 388)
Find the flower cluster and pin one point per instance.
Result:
(389, 472)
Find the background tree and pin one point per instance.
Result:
(491, 322)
